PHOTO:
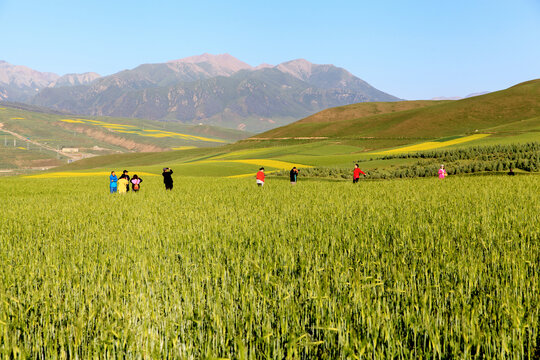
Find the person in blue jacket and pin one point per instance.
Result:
(113, 182)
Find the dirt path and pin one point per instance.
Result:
(20, 137)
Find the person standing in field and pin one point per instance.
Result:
(125, 176)
(356, 173)
(123, 185)
(112, 182)
(442, 172)
(260, 177)
(294, 175)
(167, 178)
(136, 183)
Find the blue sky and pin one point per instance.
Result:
(411, 49)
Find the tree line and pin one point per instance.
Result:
(476, 159)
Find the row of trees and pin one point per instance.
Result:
(484, 153)
(495, 158)
(525, 157)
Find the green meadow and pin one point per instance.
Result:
(219, 268)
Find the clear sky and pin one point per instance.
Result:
(411, 49)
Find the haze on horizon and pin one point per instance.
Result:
(414, 50)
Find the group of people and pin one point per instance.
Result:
(293, 175)
(124, 182)
(261, 176)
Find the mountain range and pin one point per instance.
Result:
(207, 89)
(20, 83)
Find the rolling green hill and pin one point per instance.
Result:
(501, 113)
(35, 138)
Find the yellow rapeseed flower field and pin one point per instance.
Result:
(69, 174)
(276, 164)
(118, 126)
(245, 152)
(269, 162)
(430, 145)
(128, 131)
(131, 129)
(184, 147)
(161, 134)
(71, 121)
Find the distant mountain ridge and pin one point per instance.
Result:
(21, 83)
(211, 89)
(75, 79)
(226, 63)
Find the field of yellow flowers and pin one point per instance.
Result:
(431, 145)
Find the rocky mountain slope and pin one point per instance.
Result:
(75, 79)
(21, 83)
(216, 89)
(206, 89)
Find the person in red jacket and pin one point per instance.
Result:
(260, 177)
(356, 174)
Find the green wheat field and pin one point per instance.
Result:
(219, 268)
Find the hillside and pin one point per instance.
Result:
(373, 134)
(217, 90)
(419, 119)
(34, 137)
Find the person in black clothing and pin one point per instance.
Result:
(125, 176)
(511, 172)
(136, 183)
(167, 178)
(294, 175)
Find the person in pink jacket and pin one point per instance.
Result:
(442, 172)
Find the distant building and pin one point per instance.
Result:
(70, 150)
